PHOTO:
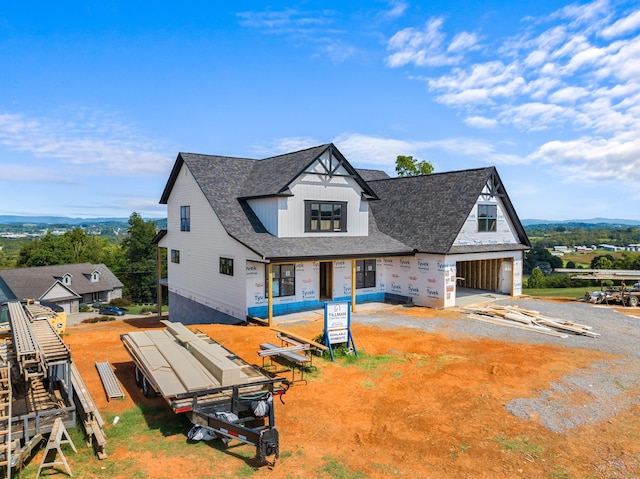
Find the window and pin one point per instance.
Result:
(487, 215)
(226, 266)
(185, 218)
(365, 273)
(283, 280)
(175, 256)
(325, 216)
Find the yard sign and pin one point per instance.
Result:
(337, 325)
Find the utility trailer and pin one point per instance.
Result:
(623, 295)
(222, 395)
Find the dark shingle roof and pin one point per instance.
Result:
(32, 283)
(423, 213)
(427, 212)
(370, 175)
(225, 181)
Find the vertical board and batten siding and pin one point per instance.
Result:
(197, 277)
(323, 188)
(285, 216)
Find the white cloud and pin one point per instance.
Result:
(623, 26)
(463, 41)
(420, 47)
(595, 158)
(305, 27)
(285, 21)
(481, 122)
(92, 142)
(568, 95)
(571, 80)
(375, 152)
(397, 8)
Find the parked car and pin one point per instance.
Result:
(112, 311)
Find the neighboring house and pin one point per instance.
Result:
(67, 285)
(325, 231)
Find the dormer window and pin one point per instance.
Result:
(66, 279)
(325, 216)
(95, 277)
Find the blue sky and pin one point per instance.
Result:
(98, 98)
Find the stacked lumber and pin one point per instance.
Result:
(514, 317)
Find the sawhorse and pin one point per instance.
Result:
(58, 436)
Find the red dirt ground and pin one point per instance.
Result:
(434, 409)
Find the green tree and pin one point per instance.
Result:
(536, 280)
(138, 261)
(74, 246)
(602, 263)
(5, 261)
(45, 251)
(409, 166)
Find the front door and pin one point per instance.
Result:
(326, 281)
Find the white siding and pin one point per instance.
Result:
(323, 188)
(197, 276)
(267, 209)
(285, 216)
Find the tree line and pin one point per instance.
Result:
(581, 234)
(132, 259)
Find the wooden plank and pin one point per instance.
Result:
(301, 338)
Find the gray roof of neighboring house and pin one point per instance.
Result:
(427, 212)
(422, 213)
(32, 283)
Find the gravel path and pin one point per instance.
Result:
(611, 386)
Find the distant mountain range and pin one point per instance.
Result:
(65, 220)
(590, 221)
(61, 220)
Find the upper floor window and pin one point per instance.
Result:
(325, 216)
(95, 277)
(365, 273)
(487, 218)
(226, 266)
(185, 218)
(283, 280)
(175, 256)
(66, 279)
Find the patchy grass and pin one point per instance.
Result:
(334, 470)
(520, 445)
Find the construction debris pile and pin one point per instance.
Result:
(514, 317)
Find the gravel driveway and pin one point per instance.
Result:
(611, 386)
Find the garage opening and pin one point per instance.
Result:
(486, 274)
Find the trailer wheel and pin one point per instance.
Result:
(147, 389)
(138, 375)
(632, 301)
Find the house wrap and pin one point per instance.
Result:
(307, 227)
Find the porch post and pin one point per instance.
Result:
(159, 274)
(353, 285)
(270, 293)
